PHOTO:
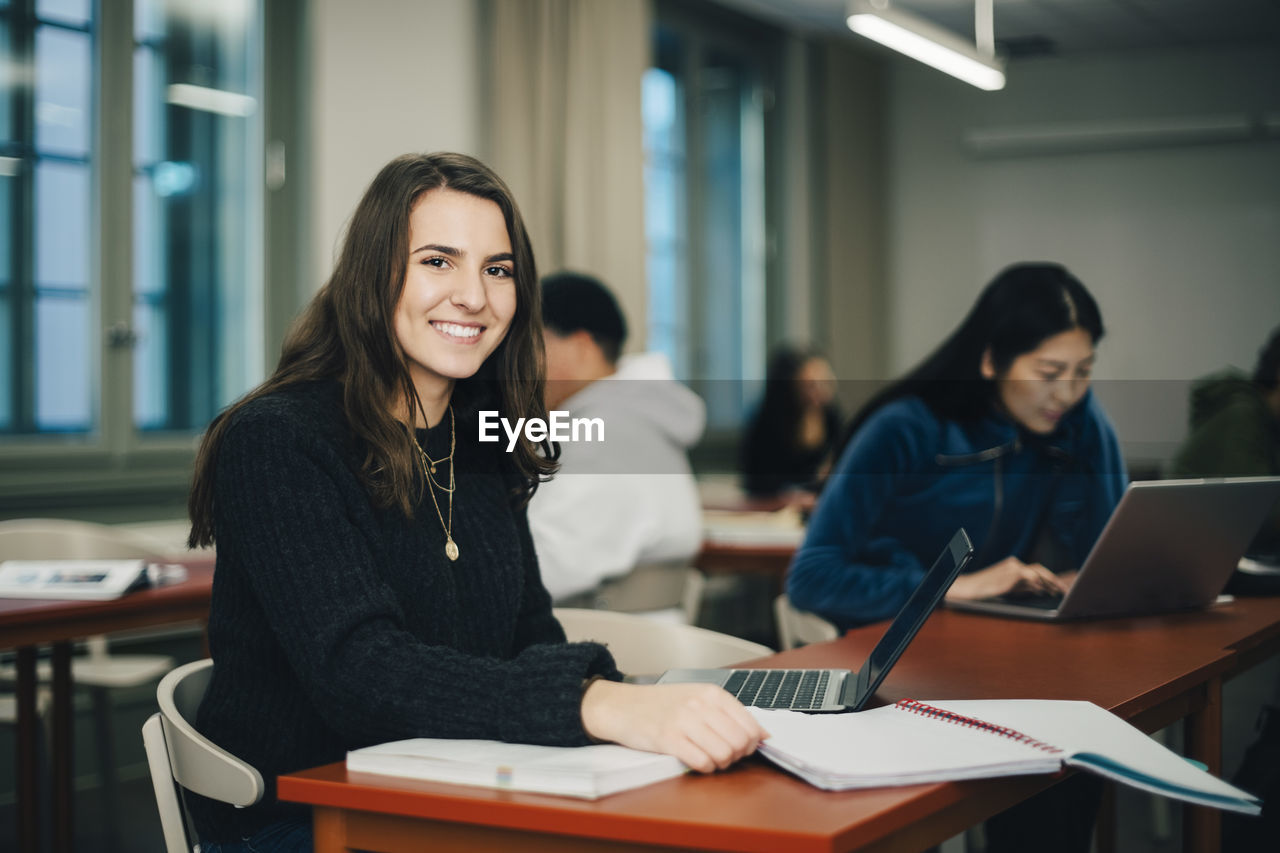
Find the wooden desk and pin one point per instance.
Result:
(26, 624)
(1150, 671)
(719, 558)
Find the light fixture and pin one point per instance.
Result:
(975, 64)
(211, 100)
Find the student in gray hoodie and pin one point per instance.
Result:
(625, 495)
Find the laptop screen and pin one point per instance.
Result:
(912, 615)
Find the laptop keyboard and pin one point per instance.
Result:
(797, 689)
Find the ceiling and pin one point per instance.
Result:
(1062, 27)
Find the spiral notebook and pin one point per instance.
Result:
(915, 742)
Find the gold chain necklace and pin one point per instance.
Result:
(428, 469)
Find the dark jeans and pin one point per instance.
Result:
(291, 836)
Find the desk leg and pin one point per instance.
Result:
(63, 749)
(1104, 836)
(330, 829)
(1202, 827)
(28, 800)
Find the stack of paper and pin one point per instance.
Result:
(584, 771)
(781, 527)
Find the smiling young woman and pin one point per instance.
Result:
(376, 579)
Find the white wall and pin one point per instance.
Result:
(1179, 243)
(388, 77)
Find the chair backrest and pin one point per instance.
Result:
(646, 588)
(800, 627)
(647, 646)
(178, 754)
(61, 539)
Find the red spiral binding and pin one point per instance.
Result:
(914, 707)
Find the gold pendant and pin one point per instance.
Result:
(451, 549)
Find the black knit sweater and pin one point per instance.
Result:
(337, 625)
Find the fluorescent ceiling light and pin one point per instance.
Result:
(211, 100)
(926, 42)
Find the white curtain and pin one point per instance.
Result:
(565, 132)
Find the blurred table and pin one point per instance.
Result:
(27, 624)
(753, 536)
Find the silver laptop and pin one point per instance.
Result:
(840, 689)
(1169, 545)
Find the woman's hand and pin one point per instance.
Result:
(700, 724)
(1008, 575)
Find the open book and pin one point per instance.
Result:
(914, 742)
(575, 771)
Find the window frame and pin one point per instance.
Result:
(706, 28)
(116, 468)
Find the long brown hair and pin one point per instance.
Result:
(347, 333)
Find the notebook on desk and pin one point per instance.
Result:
(1169, 545)
(840, 689)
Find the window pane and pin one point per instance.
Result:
(62, 363)
(148, 19)
(197, 211)
(62, 224)
(150, 407)
(6, 366)
(7, 260)
(147, 251)
(705, 213)
(665, 216)
(63, 76)
(147, 143)
(7, 82)
(66, 11)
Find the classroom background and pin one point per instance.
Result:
(175, 176)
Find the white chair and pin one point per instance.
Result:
(182, 758)
(57, 539)
(642, 646)
(670, 590)
(800, 627)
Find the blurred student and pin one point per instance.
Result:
(996, 432)
(1235, 432)
(376, 579)
(629, 500)
(794, 429)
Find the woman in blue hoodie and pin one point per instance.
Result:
(996, 432)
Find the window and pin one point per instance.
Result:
(130, 222)
(707, 110)
(196, 208)
(45, 142)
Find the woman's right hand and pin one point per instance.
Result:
(700, 724)
(1008, 575)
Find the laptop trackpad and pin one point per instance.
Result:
(696, 676)
(1038, 602)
